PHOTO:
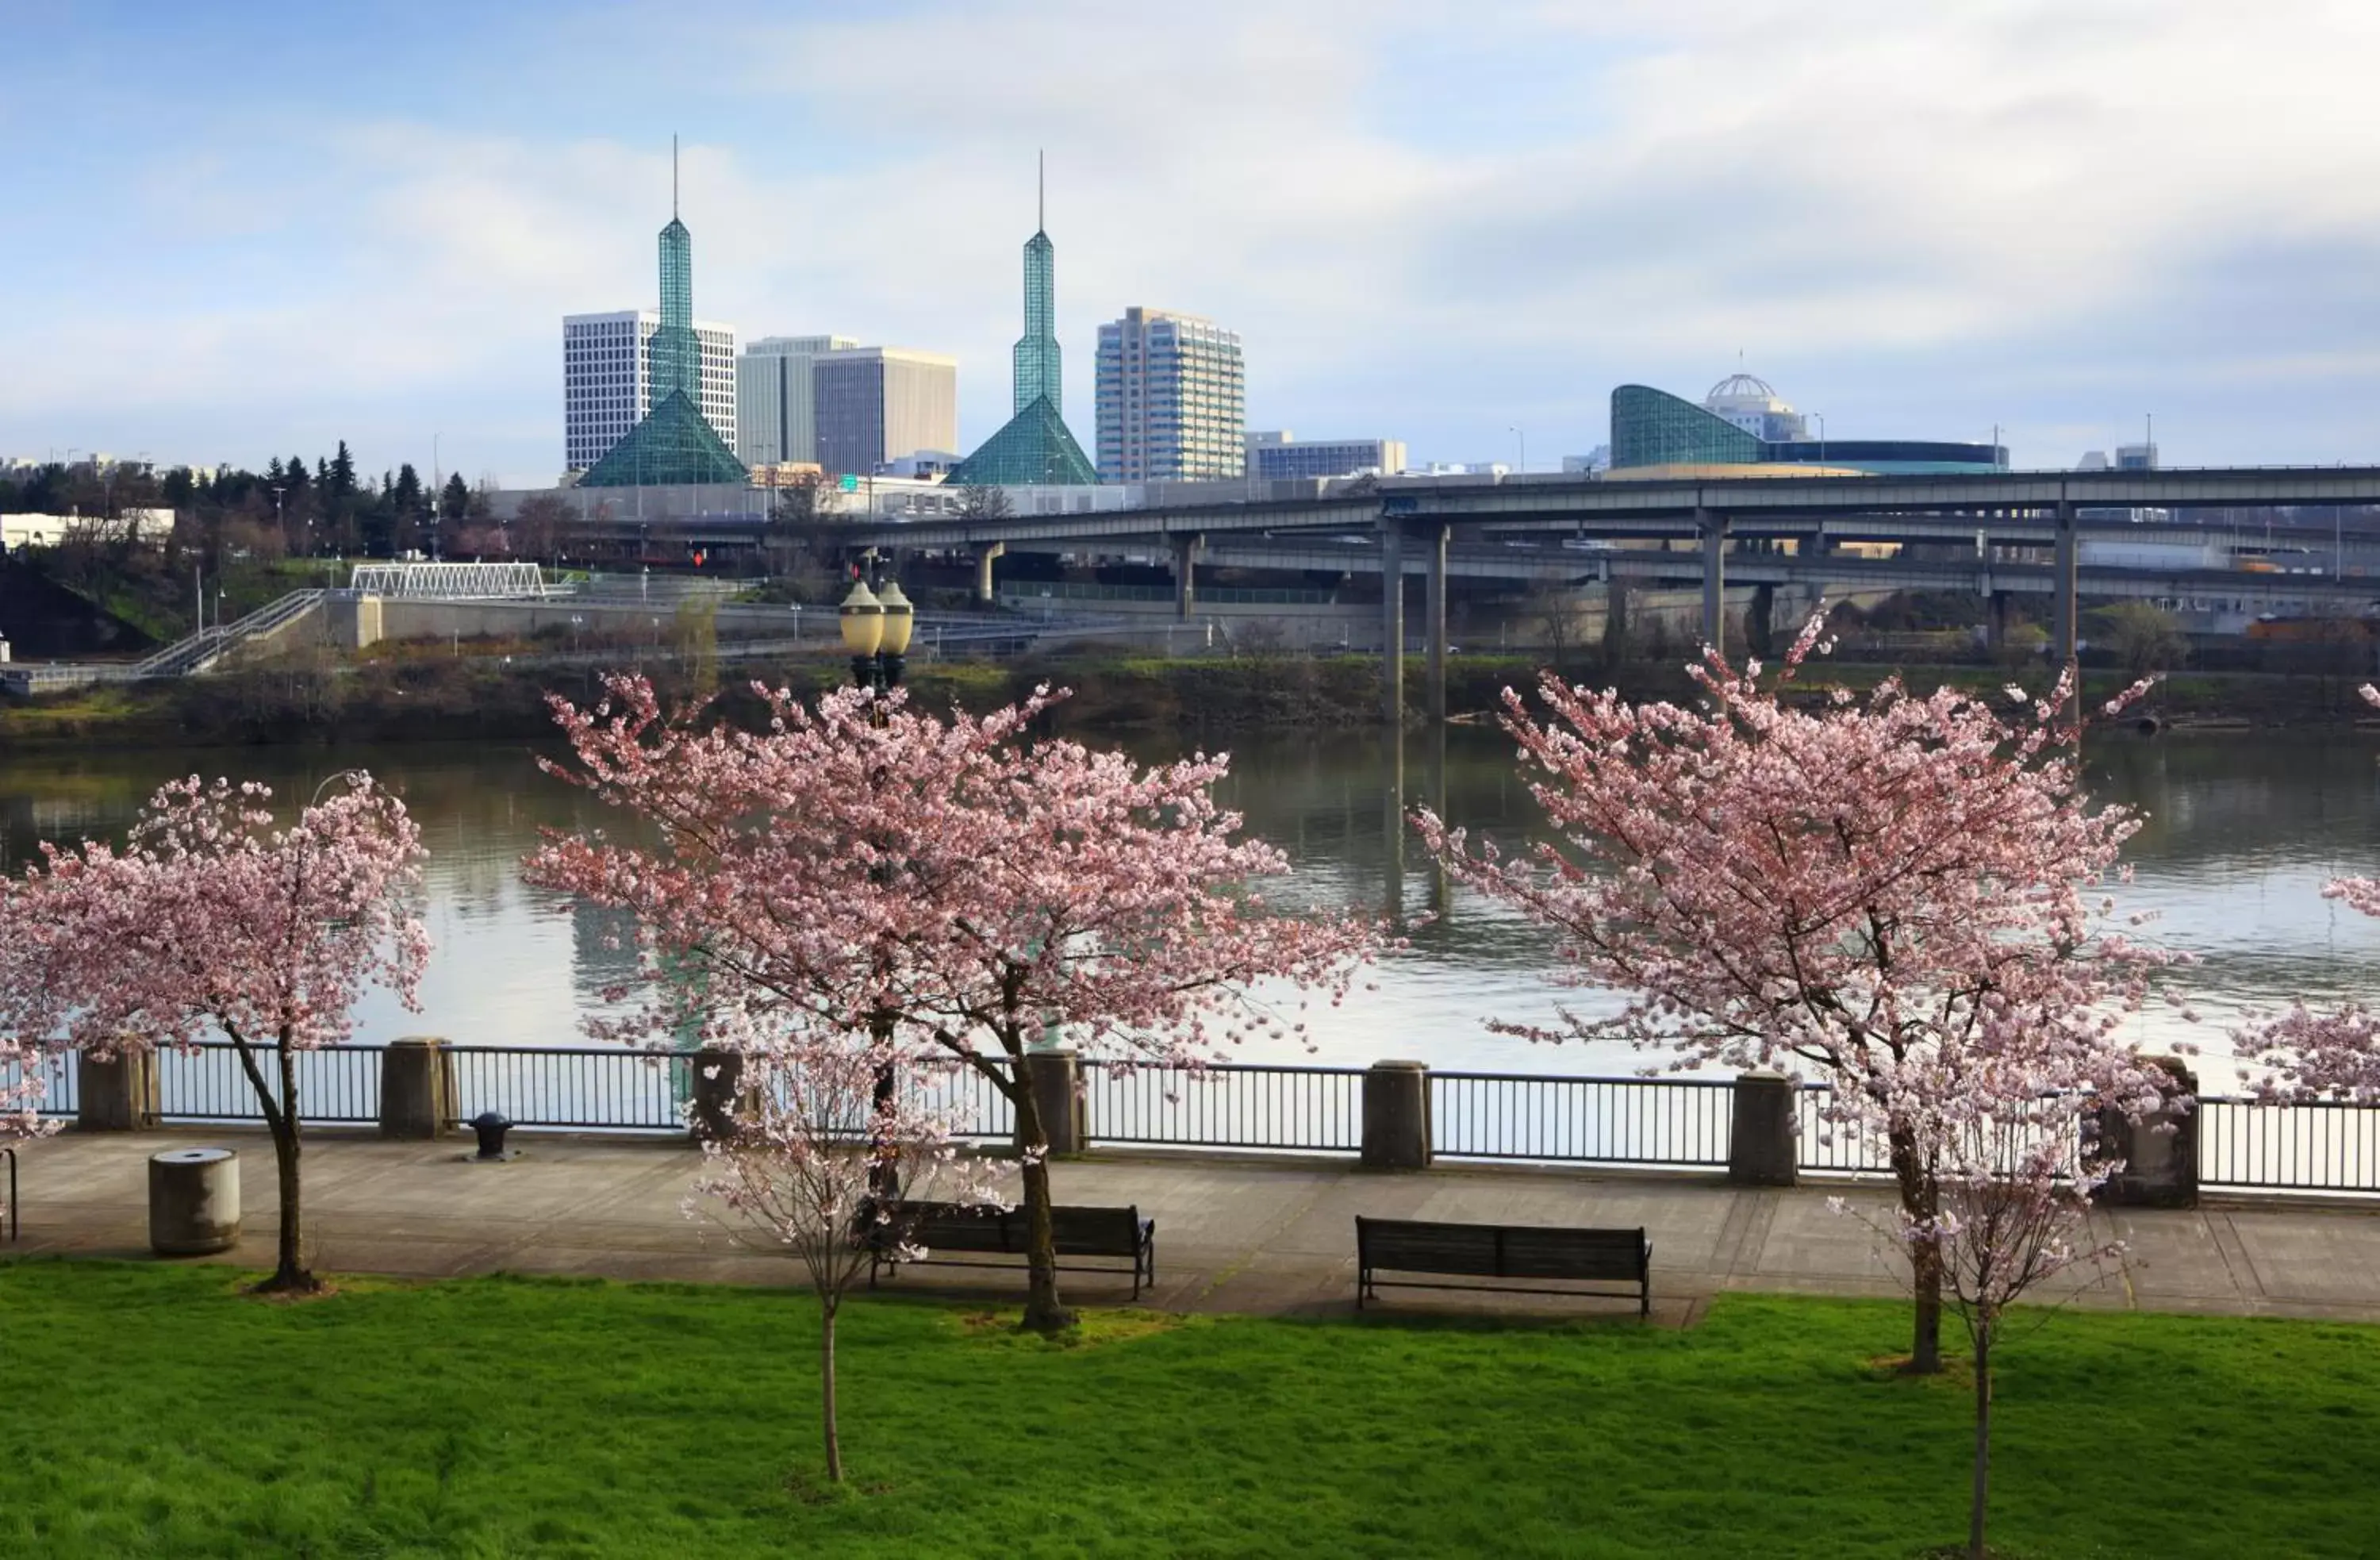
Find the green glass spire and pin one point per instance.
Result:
(674, 443)
(1038, 377)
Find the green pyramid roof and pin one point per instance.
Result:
(1033, 446)
(672, 445)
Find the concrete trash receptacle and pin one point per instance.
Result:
(193, 1202)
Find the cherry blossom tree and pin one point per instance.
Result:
(1845, 888)
(937, 884)
(2006, 1136)
(815, 1133)
(210, 920)
(2317, 1056)
(25, 982)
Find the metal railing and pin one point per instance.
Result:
(1226, 1106)
(2248, 1144)
(1668, 1121)
(1678, 1123)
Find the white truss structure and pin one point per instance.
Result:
(450, 582)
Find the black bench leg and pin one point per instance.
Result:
(1363, 1282)
(1645, 1305)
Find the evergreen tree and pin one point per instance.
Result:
(455, 498)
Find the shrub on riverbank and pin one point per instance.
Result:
(510, 1416)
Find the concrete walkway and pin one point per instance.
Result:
(1232, 1234)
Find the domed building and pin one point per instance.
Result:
(1745, 422)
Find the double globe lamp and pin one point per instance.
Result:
(876, 626)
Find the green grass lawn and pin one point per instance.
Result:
(156, 1412)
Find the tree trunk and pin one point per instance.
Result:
(1043, 1311)
(289, 1273)
(826, 1381)
(1920, 1198)
(1983, 1435)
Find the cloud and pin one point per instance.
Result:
(1428, 221)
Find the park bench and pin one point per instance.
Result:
(1535, 1252)
(16, 1221)
(1119, 1234)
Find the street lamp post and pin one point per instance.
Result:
(876, 627)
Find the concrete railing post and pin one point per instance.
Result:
(1396, 1117)
(718, 1079)
(1055, 1077)
(1761, 1150)
(416, 1087)
(117, 1093)
(2159, 1150)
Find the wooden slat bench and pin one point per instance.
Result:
(1594, 1256)
(1118, 1232)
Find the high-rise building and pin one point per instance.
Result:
(607, 380)
(1038, 376)
(1282, 456)
(1172, 399)
(684, 435)
(873, 403)
(776, 416)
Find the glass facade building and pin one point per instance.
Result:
(1036, 365)
(1651, 428)
(1032, 448)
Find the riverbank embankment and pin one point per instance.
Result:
(429, 697)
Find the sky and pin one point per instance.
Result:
(232, 230)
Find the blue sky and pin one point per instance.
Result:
(233, 230)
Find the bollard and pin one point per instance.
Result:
(1396, 1117)
(717, 1076)
(416, 1087)
(1760, 1141)
(1055, 1079)
(117, 1093)
(193, 1202)
(2159, 1150)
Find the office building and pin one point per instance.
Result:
(1172, 399)
(1653, 430)
(1034, 446)
(608, 380)
(685, 383)
(1282, 456)
(776, 419)
(873, 403)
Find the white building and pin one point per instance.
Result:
(776, 415)
(607, 380)
(1282, 456)
(1172, 399)
(150, 527)
(1752, 406)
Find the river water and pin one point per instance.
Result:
(2243, 829)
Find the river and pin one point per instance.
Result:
(2243, 829)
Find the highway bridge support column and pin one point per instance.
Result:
(1712, 529)
(983, 561)
(2065, 611)
(1393, 622)
(1185, 574)
(1434, 613)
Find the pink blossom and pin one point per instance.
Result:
(947, 886)
(2315, 1056)
(820, 1128)
(1867, 891)
(211, 920)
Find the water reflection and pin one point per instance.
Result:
(2242, 830)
